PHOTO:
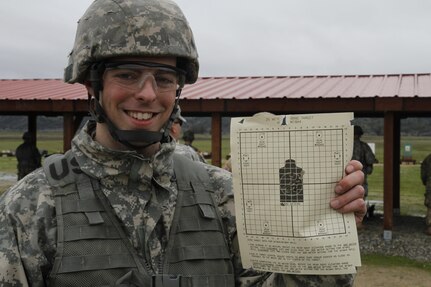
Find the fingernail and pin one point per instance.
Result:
(338, 189)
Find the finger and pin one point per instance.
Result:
(343, 200)
(349, 181)
(352, 166)
(359, 217)
(358, 206)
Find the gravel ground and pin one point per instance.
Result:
(408, 238)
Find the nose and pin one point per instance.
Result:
(147, 90)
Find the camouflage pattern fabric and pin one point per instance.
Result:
(188, 152)
(28, 222)
(150, 28)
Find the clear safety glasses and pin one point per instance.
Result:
(133, 76)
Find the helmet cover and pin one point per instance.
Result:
(138, 28)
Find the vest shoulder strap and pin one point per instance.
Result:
(190, 172)
(61, 169)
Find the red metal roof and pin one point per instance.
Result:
(41, 89)
(334, 86)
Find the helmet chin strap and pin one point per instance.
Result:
(128, 137)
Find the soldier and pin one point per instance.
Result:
(27, 155)
(120, 208)
(363, 153)
(182, 149)
(426, 180)
(189, 137)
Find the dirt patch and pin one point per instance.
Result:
(392, 277)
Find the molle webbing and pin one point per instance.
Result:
(93, 250)
(202, 260)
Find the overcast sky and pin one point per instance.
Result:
(244, 37)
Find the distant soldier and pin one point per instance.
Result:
(28, 156)
(426, 180)
(363, 153)
(175, 133)
(189, 137)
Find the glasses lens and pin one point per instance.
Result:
(134, 77)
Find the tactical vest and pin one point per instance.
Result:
(93, 249)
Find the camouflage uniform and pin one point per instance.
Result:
(426, 180)
(188, 152)
(28, 217)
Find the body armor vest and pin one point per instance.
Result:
(93, 249)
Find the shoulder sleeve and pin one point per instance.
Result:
(27, 231)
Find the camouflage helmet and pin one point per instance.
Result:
(138, 28)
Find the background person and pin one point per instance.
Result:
(27, 155)
(426, 180)
(121, 208)
(363, 153)
(182, 149)
(188, 138)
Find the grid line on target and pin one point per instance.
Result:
(287, 179)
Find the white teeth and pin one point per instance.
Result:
(140, 116)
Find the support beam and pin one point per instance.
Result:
(32, 127)
(77, 122)
(396, 164)
(388, 166)
(32, 124)
(216, 139)
(68, 131)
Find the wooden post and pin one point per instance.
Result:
(396, 165)
(388, 168)
(68, 131)
(216, 139)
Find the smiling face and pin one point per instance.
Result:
(136, 99)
